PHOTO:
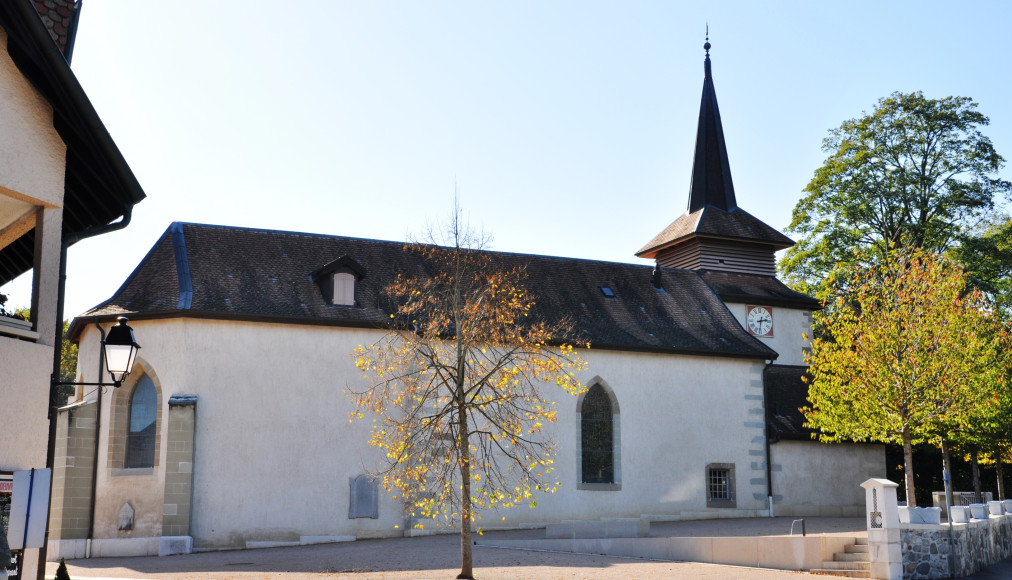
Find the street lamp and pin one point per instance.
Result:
(120, 349)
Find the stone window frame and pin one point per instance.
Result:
(135, 404)
(616, 439)
(119, 423)
(712, 473)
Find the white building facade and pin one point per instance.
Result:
(61, 179)
(233, 431)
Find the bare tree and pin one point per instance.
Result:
(458, 385)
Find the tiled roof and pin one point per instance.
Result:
(716, 223)
(786, 395)
(265, 275)
(756, 289)
(58, 16)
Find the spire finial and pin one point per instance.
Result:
(706, 45)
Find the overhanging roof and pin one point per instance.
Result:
(99, 185)
(264, 276)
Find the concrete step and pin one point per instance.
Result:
(848, 557)
(856, 549)
(861, 541)
(838, 565)
(844, 573)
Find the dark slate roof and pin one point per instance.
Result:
(236, 273)
(756, 289)
(713, 210)
(711, 173)
(786, 395)
(99, 185)
(716, 223)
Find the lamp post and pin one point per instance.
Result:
(120, 349)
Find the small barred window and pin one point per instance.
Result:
(720, 485)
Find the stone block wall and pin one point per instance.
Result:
(70, 514)
(979, 544)
(179, 466)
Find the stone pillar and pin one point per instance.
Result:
(883, 522)
(70, 506)
(176, 537)
(46, 273)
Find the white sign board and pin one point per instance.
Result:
(29, 509)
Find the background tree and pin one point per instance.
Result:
(913, 173)
(68, 366)
(987, 259)
(458, 386)
(907, 356)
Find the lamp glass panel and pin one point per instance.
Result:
(119, 358)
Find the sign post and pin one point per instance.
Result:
(29, 509)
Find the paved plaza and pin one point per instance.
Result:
(438, 557)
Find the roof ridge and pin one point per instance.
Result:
(133, 274)
(182, 266)
(380, 241)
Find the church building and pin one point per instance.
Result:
(233, 431)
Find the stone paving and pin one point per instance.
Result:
(438, 557)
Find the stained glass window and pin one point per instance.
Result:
(596, 429)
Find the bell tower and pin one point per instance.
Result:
(714, 233)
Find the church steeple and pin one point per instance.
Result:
(714, 233)
(711, 173)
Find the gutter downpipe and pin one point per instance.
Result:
(57, 356)
(94, 460)
(766, 438)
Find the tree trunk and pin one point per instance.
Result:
(1001, 474)
(908, 466)
(976, 477)
(466, 563)
(947, 479)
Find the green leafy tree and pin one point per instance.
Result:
(68, 366)
(61, 571)
(913, 173)
(907, 356)
(987, 259)
(458, 386)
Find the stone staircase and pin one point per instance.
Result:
(852, 562)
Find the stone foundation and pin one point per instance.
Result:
(979, 544)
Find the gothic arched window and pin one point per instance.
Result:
(597, 437)
(140, 451)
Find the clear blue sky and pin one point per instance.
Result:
(568, 127)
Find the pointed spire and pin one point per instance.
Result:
(711, 184)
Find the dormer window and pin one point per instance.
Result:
(344, 289)
(338, 280)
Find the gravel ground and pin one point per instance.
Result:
(439, 556)
(400, 559)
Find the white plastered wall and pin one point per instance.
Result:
(32, 167)
(32, 155)
(818, 479)
(274, 449)
(790, 327)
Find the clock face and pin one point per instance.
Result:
(760, 320)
